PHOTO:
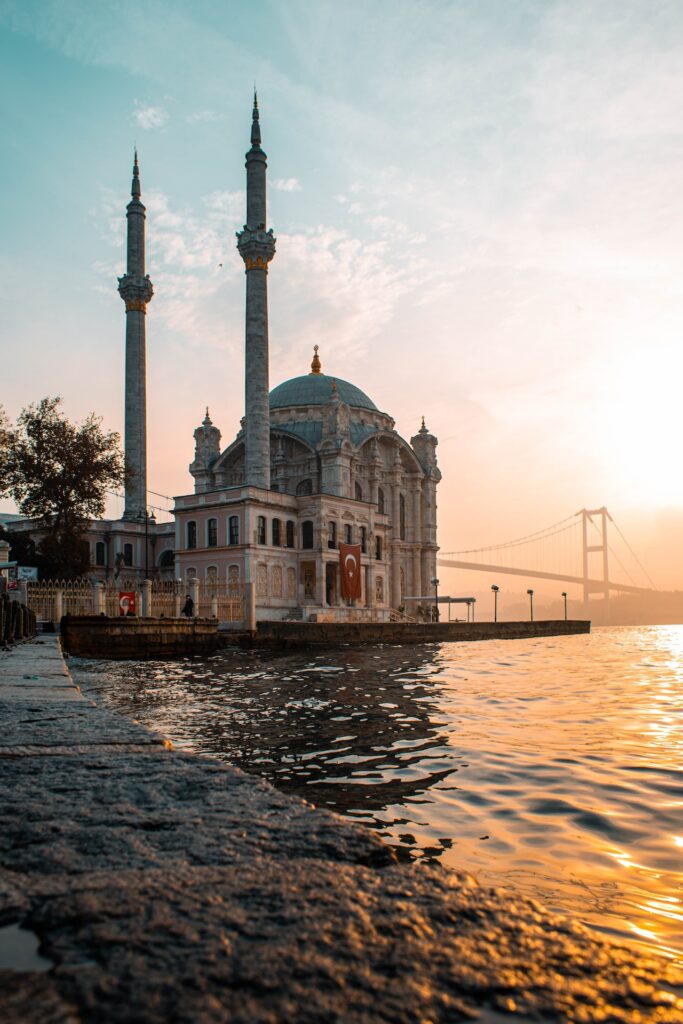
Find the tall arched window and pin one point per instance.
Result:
(290, 533)
(191, 529)
(348, 533)
(358, 490)
(380, 501)
(378, 548)
(307, 533)
(304, 486)
(332, 534)
(166, 559)
(234, 530)
(212, 533)
(100, 553)
(363, 539)
(276, 533)
(127, 554)
(260, 529)
(402, 517)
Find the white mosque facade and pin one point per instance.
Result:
(316, 464)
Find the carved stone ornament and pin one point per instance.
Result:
(256, 247)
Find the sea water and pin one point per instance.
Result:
(553, 767)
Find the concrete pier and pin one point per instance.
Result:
(160, 886)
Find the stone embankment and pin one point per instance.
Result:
(158, 886)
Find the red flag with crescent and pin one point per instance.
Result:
(349, 567)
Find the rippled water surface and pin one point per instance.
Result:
(553, 767)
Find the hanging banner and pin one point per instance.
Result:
(349, 568)
(127, 602)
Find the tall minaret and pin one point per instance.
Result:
(257, 248)
(135, 288)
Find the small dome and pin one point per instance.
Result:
(315, 389)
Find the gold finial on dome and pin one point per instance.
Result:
(316, 364)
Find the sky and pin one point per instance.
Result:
(478, 217)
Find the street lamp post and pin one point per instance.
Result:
(564, 595)
(531, 603)
(435, 584)
(495, 590)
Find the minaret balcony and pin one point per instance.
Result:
(135, 291)
(256, 247)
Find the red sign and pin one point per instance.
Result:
(127, 602)
(349, 568)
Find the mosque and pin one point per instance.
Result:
(316, 470)
(315, 465)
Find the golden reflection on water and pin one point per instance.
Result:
(549, 766)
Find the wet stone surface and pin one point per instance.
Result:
(166, 887)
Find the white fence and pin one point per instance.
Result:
(225, 601)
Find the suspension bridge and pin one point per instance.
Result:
(576, 550)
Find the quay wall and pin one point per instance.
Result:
(287, 634)
(98, 636)
(155, 885)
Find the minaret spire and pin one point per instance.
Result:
(135, 288)
(257, 248)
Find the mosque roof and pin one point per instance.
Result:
(315, 388)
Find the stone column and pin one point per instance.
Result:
(146, 599)
(98, 599)
(369, 587)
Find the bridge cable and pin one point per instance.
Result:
(512, 543)
(634, 555)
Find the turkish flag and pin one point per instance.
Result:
(349, 566)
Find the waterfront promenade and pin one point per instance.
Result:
(156, 885)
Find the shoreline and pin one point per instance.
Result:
(168, 886)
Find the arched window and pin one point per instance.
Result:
(402, 517)
(191, 534)
(260, 529)
(276, 533)
(348, 533)
(290, 533)
(380, 501)
(378, 548)
(304, 486)
(100, 553)
(358, 490)
(127, 554)
(166, 559)
(190, 573)
(363, 539)
(307, 533)
(212, 533)
(332, 534)
(234, 530)
(233, 579)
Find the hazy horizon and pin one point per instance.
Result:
(478, 220)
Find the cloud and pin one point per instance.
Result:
(148, 116)
(204, 117)
(287, 184)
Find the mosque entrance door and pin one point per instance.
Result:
(331, 583)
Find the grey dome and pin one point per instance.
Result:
(315, 389)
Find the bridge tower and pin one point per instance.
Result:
(589, 549)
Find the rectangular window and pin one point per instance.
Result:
(332, 535)
(378, 548)
(290, 533)
(307, 534)
(212, 533)
(192, 534)
(127, 554)
(348, 533)
(100, 553)
(363, 539)
(276, 533)
(261, 530)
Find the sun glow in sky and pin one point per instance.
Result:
(478, 216)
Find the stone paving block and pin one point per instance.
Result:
(77, 723)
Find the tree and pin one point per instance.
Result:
(58, 474)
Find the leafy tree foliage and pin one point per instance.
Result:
(58, 473)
